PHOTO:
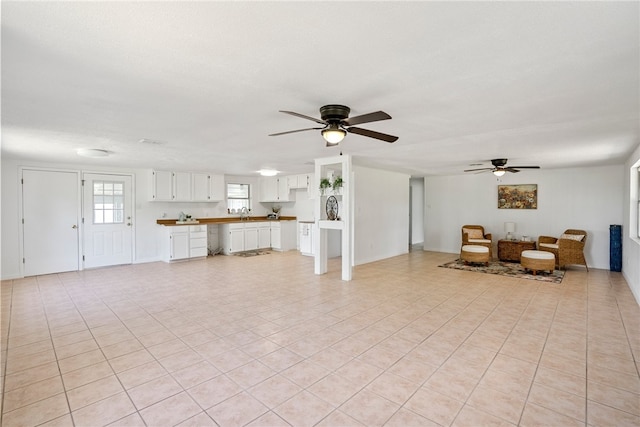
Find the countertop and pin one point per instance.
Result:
(223, 220)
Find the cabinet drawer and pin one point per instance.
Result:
(198, 252)
(197, 228)
(198, 243)
(198, 234)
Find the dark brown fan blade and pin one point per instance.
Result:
(293, 113)
(373, 134)
(481, 169)
(366, 118)
(293, 131)
(510, 169)
(525, 167)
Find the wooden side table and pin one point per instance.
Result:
(510, 250)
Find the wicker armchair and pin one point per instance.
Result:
(567, 249)
(475, 235)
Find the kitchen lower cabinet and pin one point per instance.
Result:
(184, 242)
(275, 236)
(198, 241)
(231, 238)
(250, 236)
(178, 245)
(305, 238)
(264, 234)
(283, 235)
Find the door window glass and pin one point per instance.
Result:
(108, 202)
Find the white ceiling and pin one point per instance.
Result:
(554, 84)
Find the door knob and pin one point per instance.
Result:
(128, 224)
(74, 226)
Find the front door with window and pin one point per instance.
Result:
(108, 220)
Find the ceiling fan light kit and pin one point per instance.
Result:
(336, 123)
(333, 134)
(499, 172)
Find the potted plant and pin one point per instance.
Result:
(324, 185)
(337, 185)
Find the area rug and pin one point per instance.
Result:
(251, 253)
(511, 269)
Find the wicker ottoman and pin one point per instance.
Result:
(475, 253)
(538, 261)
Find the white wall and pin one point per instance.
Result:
(381, 214)
(630, 240)
(590, 199)
(417, 210)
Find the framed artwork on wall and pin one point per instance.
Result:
(521, 196)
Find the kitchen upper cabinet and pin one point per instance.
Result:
(217, 190)
(181, 186)
(207, 187)
(200, 187)
(274, 189)
(302, 182)
(171, 186)
(162, 186)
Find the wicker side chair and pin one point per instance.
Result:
(568, 249)
(475, 235)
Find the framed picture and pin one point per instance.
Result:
(522, 196)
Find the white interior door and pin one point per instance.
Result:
(107, 220)
(50, 213)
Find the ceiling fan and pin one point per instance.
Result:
(336, 123)
(500, 167)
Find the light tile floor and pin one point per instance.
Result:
(262, 341)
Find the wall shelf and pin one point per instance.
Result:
(329, 168)
(330, 225)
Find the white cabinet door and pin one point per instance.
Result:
(269, 189)
(232, 238)
(237, 240)
(306, 239)
(264, 235)
(217, 191)
(283, 189)
(276, 240)
(200, 187)
(179, 244)
(181, 186)
(292, 181)
(250, 237)
(162, 186)
(311, 189)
